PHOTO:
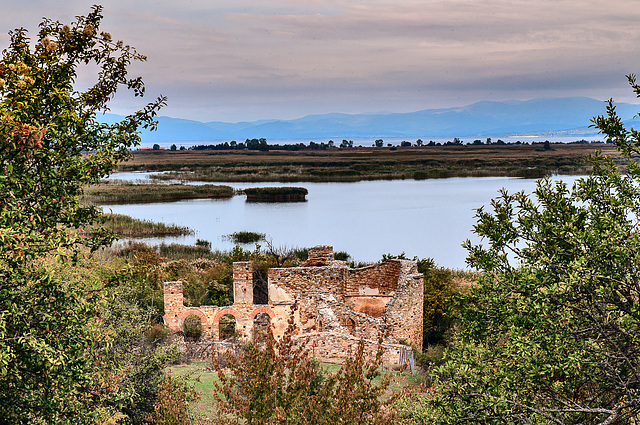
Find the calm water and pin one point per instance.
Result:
(425, 218)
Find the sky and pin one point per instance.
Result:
(245, 60)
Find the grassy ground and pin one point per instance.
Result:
(369, 163)
(129, 193)
(204, 378)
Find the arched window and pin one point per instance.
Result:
(351, 325)
(261, 325)
(227, 326)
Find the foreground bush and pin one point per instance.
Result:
(53, 365)
(551, 331)
(280, 382)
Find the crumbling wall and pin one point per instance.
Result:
(378, 279)
(335, 306)
(369, 289)
(404, 312)
(243, 282)
(319, 255)
(331, 347)
(288, 284)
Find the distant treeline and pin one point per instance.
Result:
(262, 144)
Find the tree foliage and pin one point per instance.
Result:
(51, 145)
(192, 326)
(551, 332)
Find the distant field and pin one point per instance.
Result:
(355, 164)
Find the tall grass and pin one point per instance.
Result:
(125, 226)
(371, 163)
(245, 237)
(130, 193)
(276, 194)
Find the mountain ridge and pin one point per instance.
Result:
(484, 118)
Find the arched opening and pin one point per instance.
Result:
(227, 327)
(350, 325)
(261, 326)
(260, 287)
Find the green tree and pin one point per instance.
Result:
(173, 147)
(156, 147)
(551, 332)
(51, 146)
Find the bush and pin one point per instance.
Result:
(279, 381)
(203, 243)
(192, 327)
(276, 194)
(245, 237)
(341, 255)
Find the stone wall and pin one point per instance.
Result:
(335, 348)
(288, 284)
(243, 282)
(378, 279)
(320, 255)
(404, 312)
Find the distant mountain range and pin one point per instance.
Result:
(550, 115)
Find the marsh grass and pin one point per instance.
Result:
(176, 251)
(130, 193)
(245, 237)
(276, 194)
(346, 165)
(125, 226)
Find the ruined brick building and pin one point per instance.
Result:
(338, 305)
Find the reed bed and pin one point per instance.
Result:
(129, 193)
(125, 226)
(276, 194)
(245, 237)
(347, 165)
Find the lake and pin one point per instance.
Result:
(423, 218)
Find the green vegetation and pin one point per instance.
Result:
(245, 237)
(192, 326)
(130, 193)
(125, 226)
(276, 194)
(358, 164)
(281, 382)
(65, 356)
(550, 333)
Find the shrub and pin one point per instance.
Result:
(203, 243)
(279, 381)
(341, 255)
(245, 237)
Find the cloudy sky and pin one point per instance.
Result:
(241, 60)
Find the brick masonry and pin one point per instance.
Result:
(337, 306)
